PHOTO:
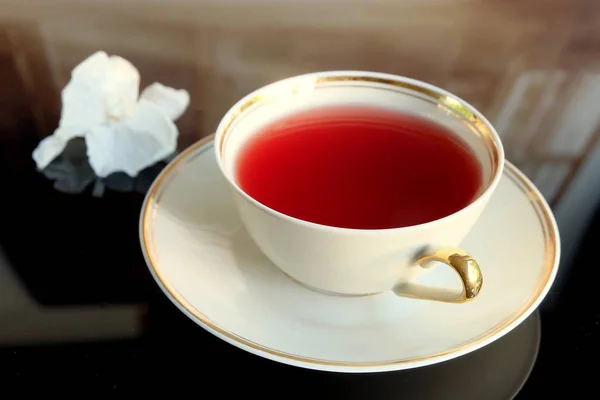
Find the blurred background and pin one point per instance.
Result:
(73, 283)
(531, 66)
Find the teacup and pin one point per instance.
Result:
(354, 262)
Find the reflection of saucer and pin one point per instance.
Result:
(497, 371)
(204, 261)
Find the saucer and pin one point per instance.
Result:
(205, 262)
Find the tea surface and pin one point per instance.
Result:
(358, 167)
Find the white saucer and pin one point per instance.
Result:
(205, 262)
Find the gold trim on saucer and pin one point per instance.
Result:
(147, 219)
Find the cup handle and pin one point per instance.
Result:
(460, 261)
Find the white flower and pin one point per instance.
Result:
(122, 132)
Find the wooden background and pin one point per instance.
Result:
(531, 66)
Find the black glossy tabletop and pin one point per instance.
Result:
(79, 310)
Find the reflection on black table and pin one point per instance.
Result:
(78, 307)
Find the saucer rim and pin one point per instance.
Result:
(545, 280)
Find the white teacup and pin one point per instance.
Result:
(353, 261)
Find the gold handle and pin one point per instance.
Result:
(460, 261)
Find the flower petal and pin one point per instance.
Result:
(121, 88)
(132, 144)
(82, 97)
(47, 150)
(171, 101)
(102, 89)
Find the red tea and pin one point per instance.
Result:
(359, 167)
